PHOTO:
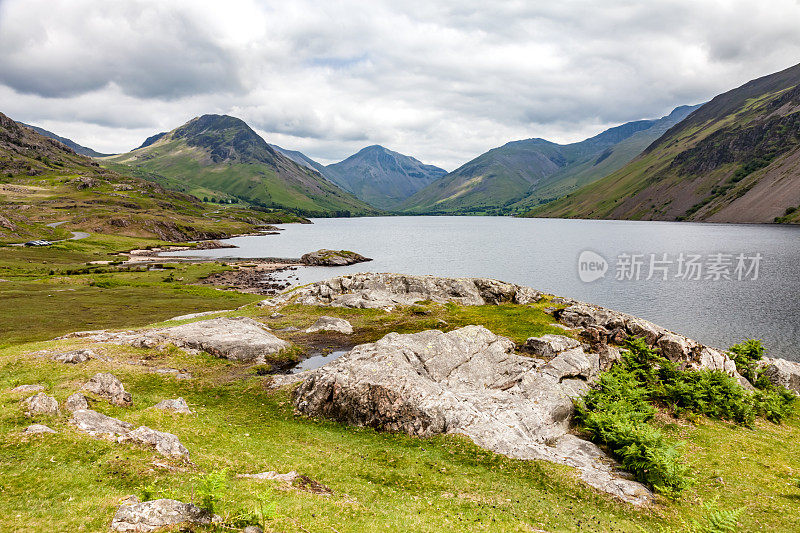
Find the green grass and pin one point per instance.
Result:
(381, 481)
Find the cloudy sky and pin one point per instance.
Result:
(442, 81)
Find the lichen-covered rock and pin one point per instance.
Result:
(165, 443)
(178, 405)
(76, 402)
(236, 339)
(37, 429)
(387, 291)
(549, 346)
(107, 386)
(294, 479)
(27, 388)
(332, 258)
(466, 381)
(75, 356)
(153, 515)
(329, 323)
(40, 404)
(99, 425)
(783, 373)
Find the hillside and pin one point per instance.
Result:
(735, 159)
(381, 177)
(82, 150)
(221, 156)
(520, 174)
(42, 181)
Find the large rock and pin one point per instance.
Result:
(783, 373)
(138, 516)
(236, 339)
(40, 404)
(333, 258)
(165, 443)
(99, 425)
(38, 429)
(466, 381)
(330, 323)
(178, 405)
(109, 387)
(386, 291)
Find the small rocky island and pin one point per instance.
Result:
(333, 258)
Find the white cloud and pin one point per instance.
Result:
(442, 81)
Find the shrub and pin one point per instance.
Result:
(209, 489)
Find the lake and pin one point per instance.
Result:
(762, 262)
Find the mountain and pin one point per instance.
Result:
(83, 150)
(302, 159)
(381, 177)
(220, 156)
(44, 181)
(735, 159)
(520, 174)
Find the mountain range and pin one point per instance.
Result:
(521, 174)
(77, 148)
(735, 159)
(220, 156)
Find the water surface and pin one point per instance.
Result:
(543, 253)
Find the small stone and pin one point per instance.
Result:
(37, 429)
(158, 514)
(27, 388)
(252, 529)
(75, 356)
(40, 404)
(178, 405)
(329, 323)
(109, 387)
(76, 402)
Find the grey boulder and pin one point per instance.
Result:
(329, 323)
(107, 386)
(467, 381)
(153, 515)
(549, 346)
(178, 405)
(40, 404)
(783, 373)
(27, 388)
(333, 258)
(166, 444)
(99, 425)
(76, 402)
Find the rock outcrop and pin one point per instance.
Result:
(107, 386)
(27, 388)
(333, 258)
(99, 425)
(40, 404)
(38, 429)
(293, 479)
(387, 291)
(178, 405)
(467, 381)
(135, 516)
(236, 339)
(329, 323)
(166, 444)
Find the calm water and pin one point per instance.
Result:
(543, 253)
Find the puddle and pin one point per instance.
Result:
(316, 360)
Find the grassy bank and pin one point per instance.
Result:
(380, 481)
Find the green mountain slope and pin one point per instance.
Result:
(82, 150)
(521, 174)
(381, 177)
(221, 156)
(736, 159)
(42, 181)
